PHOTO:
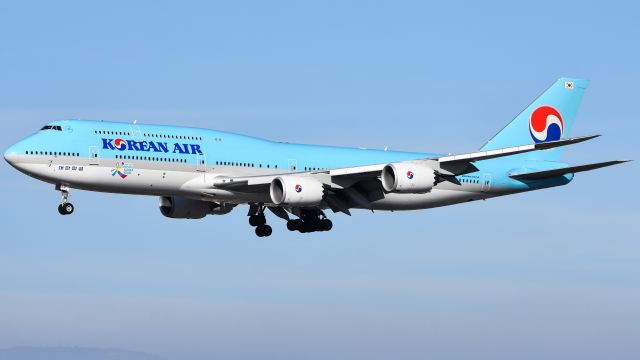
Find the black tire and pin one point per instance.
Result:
(259, 231)
(292, 225)
(263, 230)
(257, 220)
(306, 227)
(61, 210)
(326, 225)
(68, 208)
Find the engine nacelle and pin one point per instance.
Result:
(178, 207)
(408, 178)
(296, 191)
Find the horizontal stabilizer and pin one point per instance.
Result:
(491, 154)
(537, 175)
(462, 164)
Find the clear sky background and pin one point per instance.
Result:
(551, 274)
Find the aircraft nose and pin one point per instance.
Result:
(11, 155)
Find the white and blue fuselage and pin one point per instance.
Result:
(197, 172)
(182, 161)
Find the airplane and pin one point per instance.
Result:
(199, 172)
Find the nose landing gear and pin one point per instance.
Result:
(65, 207)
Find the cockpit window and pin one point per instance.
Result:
(52, 127)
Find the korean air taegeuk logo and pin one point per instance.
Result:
(546, 124)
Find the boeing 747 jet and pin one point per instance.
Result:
(200, 172)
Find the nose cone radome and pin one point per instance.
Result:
(11, 155)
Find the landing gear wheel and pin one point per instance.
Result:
(293, 225)
(65, 209)
(310, 221)
(326, 225)
(305, 227)
(257, 220)
(263, 230)
(68, 208)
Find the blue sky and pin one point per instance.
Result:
(551, 274)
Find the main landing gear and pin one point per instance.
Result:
(65, 207)
(258, 220)
(310, 221)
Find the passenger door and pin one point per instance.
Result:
(201, 163)
(293, 164)
(94, 155)
(136, 133)
(486, 182)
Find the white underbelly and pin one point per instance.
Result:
(434, 198)
(110, 178)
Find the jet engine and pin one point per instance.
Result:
(408, 178)
(296, 191)
(178, 207)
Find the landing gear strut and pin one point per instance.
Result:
(257, 219)
(310, 221)
(65, 207)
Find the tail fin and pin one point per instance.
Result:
(550, 117)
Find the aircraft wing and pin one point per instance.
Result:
(461, 164)
(342, 178)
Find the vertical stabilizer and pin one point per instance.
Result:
(550, 117)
